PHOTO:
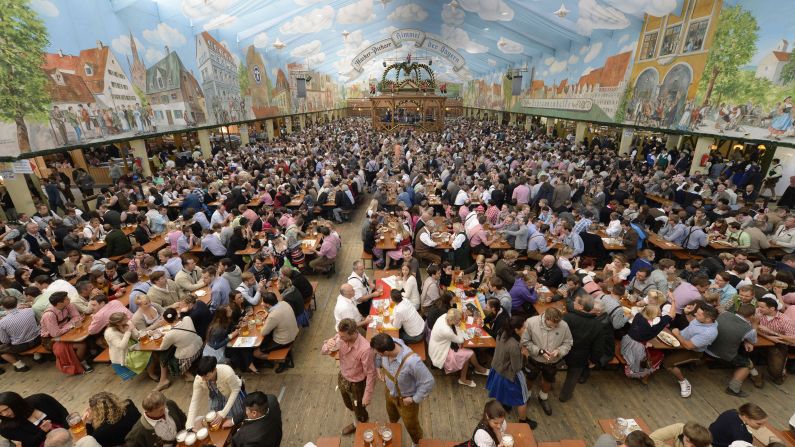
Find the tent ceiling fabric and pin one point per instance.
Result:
(491, 34)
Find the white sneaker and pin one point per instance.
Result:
(684, 388)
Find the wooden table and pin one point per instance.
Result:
(563, 443)
(296, 201)
(358, 440)
(763, 435)
(220, 437)
(716, 244)
(154, 245)
(607, 425)
(248, 251)
(659, 242)
(659, 199)
(328, 441)
(78, 334)
(541, 306)
(262, 314)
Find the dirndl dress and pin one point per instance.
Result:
(456, 360)
(134, 363)
(218, 402)
(507, 392)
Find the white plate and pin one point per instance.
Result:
(201, 293)
(668, 339)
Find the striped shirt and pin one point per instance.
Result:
(18, 326)
(779, 323)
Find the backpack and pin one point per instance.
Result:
(641, 234)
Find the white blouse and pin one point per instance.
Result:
(483, 439)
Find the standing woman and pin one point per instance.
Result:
(217, 388)
(28, 420)
(506, 381)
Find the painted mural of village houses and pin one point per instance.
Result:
(174, 94)
(91, 96)
(220, 84)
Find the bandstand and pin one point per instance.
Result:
(407, 98)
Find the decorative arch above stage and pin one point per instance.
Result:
(408, 98)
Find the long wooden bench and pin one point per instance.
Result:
(103, 357)
(683, 255)
(367, 257)
(36, 350)
(419, 349)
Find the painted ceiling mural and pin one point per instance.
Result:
(85, 71)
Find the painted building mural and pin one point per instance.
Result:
(712, 66)
(124, 71)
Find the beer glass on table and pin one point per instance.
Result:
(76, 425)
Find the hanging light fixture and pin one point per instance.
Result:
(278, 44)
(453, 4)
(562, 11)
(345, 34)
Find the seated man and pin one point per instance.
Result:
(164, 292)
(189, 276)
(101, 310)
(159, 423)
(406, 319)
(780, 329)
(263, 424)
(424, 244)
(695, 338)
(280, 329)
(60, 318)
(19, 332)
(326, 255)
(736, 338)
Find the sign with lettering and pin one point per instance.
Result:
(575, 104)
(415, 36)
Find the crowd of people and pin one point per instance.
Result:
(553, 238)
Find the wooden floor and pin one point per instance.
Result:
(311, 406)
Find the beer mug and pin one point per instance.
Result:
(76, 425)
(507, 441)
(368, 437)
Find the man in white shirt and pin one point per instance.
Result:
(406, 319)
(346, 308)
(363, 294)
(784, 236)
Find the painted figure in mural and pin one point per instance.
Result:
(137, 117)
(125, 125)
(57, 119)
(74, 121)
(112, 121)
(128, 114)
(782, 122)
(84, 118)
(98, 121)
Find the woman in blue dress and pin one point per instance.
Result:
(783, 120)
(506, 381)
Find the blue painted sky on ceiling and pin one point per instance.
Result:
(493, 35)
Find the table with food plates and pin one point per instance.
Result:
(472, 327)
(249, 335)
